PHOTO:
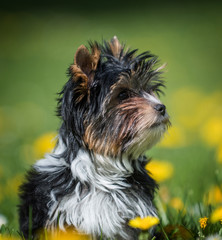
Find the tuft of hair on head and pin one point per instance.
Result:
(83, 69)
(115, 47)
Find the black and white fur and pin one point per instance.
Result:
(94, 181)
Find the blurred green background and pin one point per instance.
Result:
(38, 43)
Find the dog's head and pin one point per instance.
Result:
(110, 102)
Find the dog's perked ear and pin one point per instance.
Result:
(83, 69)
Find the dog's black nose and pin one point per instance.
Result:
(160, 108)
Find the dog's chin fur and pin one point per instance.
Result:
(104, 198)
(95, 180)
(146, 140)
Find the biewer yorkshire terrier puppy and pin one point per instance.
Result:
(94, 181)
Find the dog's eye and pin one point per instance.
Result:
(123, 95)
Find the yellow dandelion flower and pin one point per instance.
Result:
(68, 235)
(216, 215)
(214, 196)
(203, 222)
(144, 223)
(174, 138)
(177, 204)
(219, 153)
(194, 107)
(44, 144)
(160, 170)
(212, 131)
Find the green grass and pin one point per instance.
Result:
(36, 48)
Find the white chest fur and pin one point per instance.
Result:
(106, 202)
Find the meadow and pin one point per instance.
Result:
(38, 45)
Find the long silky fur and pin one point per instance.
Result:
(86, 190)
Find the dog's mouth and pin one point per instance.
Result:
(162, 121)
(149, 136)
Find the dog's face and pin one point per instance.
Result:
(115, 96)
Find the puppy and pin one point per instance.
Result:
(94, 181)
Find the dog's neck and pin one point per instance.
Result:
(104, 173)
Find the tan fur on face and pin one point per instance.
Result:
(99, 145)
(131, 119)
(142, 112)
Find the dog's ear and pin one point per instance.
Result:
(83, 69)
